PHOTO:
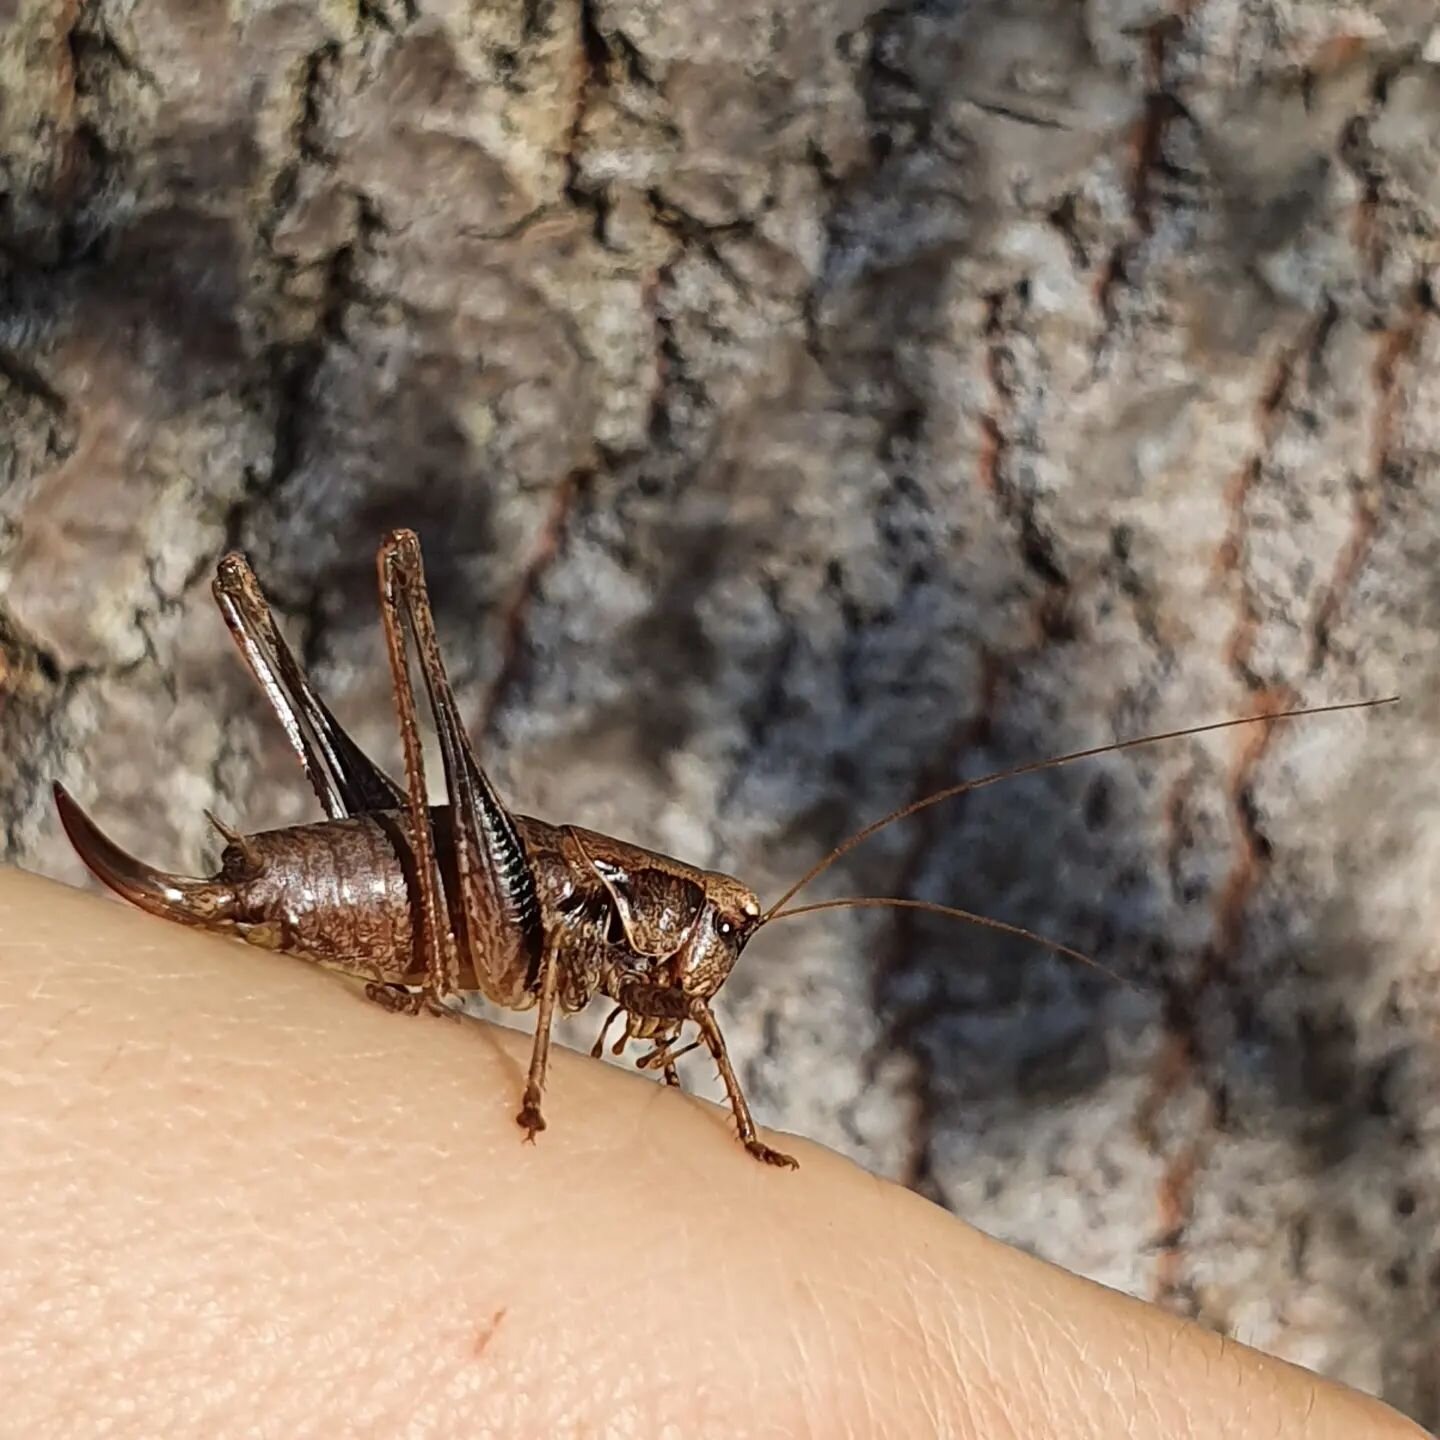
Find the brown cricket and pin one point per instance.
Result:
(426, 903)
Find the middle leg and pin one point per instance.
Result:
(662, 1057)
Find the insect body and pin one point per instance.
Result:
(426, 903)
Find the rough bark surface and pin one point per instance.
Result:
(803, 405)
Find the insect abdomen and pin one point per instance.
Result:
(337, 891)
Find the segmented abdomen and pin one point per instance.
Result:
(338, 891)
(345, 891)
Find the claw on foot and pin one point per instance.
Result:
(771, 1157)
(530, 1120)
(396, 1001)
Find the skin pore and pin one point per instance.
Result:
(241, 1200)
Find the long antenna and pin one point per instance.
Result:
(875, 902)
(965, 786)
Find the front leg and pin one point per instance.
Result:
(663, 1004)
(710, 1032)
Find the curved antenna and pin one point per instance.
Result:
(876, 902)
(915, 806)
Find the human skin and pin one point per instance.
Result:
(240, 1200)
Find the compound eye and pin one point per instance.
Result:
(724, 926)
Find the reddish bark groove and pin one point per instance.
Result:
(548, 543)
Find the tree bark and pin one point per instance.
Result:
(803, 406)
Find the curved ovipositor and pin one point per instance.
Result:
(209, 904)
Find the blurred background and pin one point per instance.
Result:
(803, 406)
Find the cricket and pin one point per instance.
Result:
(427, 903)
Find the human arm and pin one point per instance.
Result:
(240, 1200)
